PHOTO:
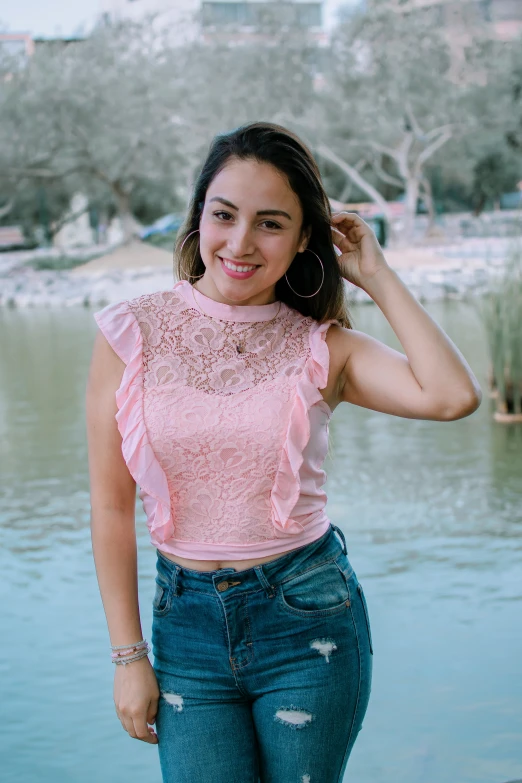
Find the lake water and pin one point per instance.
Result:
(432, 514)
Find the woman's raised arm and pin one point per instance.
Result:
(432, 380)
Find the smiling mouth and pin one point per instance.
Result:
(235, 267)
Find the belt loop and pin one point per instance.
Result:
(175, 580)
(340, 532)
(270, 591)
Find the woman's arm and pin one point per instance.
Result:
(113, 534)
(433, 380)
(113, 499)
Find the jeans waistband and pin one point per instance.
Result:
(267, 575)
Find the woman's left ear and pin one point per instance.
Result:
(306, 238)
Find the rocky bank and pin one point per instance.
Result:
(438, 272)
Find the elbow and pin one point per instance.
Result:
(464, 406)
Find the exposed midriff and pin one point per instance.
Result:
(214, 565)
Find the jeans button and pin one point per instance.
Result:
(222, 586)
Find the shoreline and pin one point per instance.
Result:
(432, 273)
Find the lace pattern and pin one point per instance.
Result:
(218, 443)
(215, 439)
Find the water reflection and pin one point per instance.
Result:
(432, 515)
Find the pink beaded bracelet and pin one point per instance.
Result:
(129, 650)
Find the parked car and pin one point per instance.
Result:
(164, 225)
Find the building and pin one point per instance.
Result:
(212, 17)
(18, 45)
(504, 17)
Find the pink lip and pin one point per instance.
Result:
(237, 275)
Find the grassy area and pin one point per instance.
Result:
(501, 311)
(58, 263)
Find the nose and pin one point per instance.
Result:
(240, 241)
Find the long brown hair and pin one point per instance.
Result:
(267, 142)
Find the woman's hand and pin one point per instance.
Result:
(362, 257)
(136, 696)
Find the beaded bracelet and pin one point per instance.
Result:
(128, 650)
(127, 653)
(125, 661)
(125, 646)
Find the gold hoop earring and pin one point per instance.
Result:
(307, 296)
(181, 248)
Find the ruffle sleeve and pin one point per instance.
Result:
(122, 331)
(287, 486)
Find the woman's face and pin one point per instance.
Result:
(250, 231)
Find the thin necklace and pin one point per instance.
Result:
(240, 346)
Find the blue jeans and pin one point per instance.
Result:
(265, 673)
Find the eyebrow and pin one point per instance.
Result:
(260, 212)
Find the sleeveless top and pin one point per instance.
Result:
(226, 448)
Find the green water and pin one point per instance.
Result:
(432, 514)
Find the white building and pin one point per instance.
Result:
(319, 16)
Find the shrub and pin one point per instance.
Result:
(501, 312)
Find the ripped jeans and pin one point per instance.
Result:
(265, 673)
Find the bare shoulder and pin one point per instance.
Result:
(341, 342)
(106, 368)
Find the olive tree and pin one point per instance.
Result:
(95, 110)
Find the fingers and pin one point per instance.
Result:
(341, 241)
(143, 732)
(137, 728)
(353, 217)
(350, 226)
(349, 221)
(348, 240)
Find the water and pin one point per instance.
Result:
(432, 514)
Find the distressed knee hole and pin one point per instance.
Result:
(324, 647)
(294, 717)
(305, 779)
(174, 699)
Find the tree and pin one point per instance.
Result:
(492, 148)
(392, 101)
(96, 110)
(232, 80)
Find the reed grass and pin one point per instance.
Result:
(501, 313)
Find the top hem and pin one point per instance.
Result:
(209, 551)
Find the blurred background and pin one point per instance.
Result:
(413, 111)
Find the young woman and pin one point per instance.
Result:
(214, 397)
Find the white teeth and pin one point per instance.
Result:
(235, 268)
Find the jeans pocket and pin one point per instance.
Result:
(366, 615)
(162, 597)
(321, 590)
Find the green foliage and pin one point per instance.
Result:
(494, 174)
(501, 312)
(58, 263)
(125, 117)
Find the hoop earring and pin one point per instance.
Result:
(307, 296)
(181, 248)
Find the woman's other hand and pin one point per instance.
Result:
(136, 695)
(361, 254)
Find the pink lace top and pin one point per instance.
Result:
(227, 448)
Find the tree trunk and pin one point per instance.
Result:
(361, 183)
(6, 209)
(479, 208)
(410, 208)
(427, 195)
(347, 190)
(129, 225)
